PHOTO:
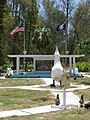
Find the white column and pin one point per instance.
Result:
(17, 64)
(74, 65)
(34, 64)
(64, 97)
(70, 63)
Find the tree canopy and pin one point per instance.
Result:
(41, 19)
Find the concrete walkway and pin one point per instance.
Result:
(85, 75)
(71, 100)
(29, 111)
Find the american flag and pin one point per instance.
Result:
(18, 29)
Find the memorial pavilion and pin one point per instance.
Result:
(44, 63)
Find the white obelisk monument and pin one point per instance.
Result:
(57, 71)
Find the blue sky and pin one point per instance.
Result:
(76, 2)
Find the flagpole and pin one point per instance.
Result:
(66, 32)
(24, 35)
(24, 52)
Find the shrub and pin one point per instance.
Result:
(83, 66)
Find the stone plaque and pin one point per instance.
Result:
(44, 65)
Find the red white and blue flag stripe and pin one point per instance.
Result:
(18, 29)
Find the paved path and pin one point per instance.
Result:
(71, 100)
(29, 111)
(85, 75)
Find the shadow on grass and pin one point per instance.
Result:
(86, 83)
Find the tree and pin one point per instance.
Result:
(42, 40)
(84, 48)
(31, 21)
(81, 23)
(2, 42)
(50, 18)
(12, 20)
(67, 6)
(18, 12)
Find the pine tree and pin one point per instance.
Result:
(2, 55)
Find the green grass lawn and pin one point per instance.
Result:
(10, 82)
(19, 99)
(85, 81)
(72, 114)
(86, 94)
